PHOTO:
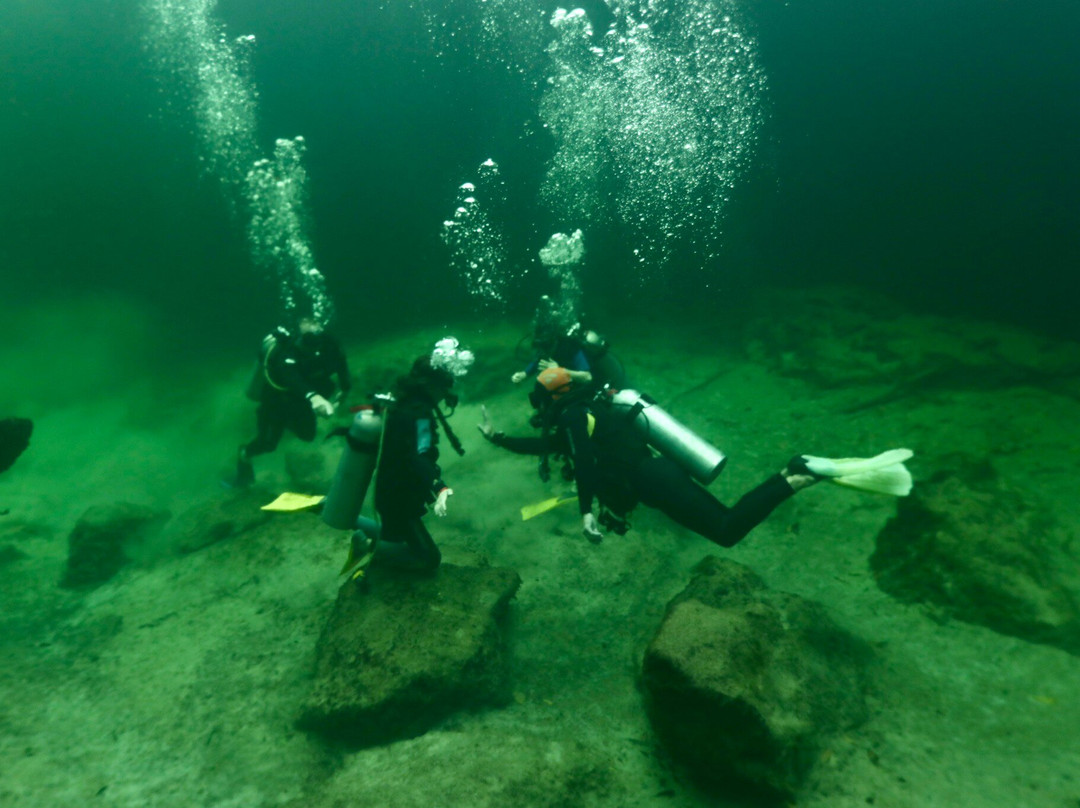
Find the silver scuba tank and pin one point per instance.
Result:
(354, 472)
(696, 456)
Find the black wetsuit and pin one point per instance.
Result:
(294, 369)
(615, 466)
(407, 481)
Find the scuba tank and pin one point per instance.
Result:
(696, 456)
(354, 472)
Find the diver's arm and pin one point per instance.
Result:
(576, 424)
(424, 460)
(525, 446)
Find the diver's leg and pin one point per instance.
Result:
(270, 426)
(407, 544)
(369, 527)
(301, 419)
(662, 484)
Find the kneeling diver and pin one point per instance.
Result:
(399, 446)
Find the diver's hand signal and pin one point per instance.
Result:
(591, 529)
(487, 429)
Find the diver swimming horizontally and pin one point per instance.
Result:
(609, 439)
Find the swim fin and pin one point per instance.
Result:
(882, 474)
(529, 511)
(289, 502)
(361, 553)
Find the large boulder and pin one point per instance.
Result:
(969, 544)
(96, 544)
(744, 685)
(403, 652)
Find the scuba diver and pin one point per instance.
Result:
(293, 384)
(579, 350)
(398, 444)
(606, 439)
(14, 439)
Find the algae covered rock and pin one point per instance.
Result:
(744, 684)
(224, 519)
(402, 653)
(96, 544)
(972, 546)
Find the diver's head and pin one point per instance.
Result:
(433, 375)
(546, 339)
(430, 382)
(556, 381)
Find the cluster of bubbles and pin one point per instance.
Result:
(476, 241)
(212, 76)
(655, 124)
(508, 33)
(277, 231)
(562, 255)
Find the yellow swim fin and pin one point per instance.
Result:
(529, 511)
(289, 502)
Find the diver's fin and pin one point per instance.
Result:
(882, 474)
(529, 511)
(289, 502)
(361, 552)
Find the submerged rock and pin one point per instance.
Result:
(744, 684)
(14, 439)
(402, 653)
(970, 545)
(221, 520)
(96, 544)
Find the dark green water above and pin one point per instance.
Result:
(928, 149)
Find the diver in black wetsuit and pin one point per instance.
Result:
(294, 384)
(408, 478)
(407, 474)
(613, 464)
(581, 351)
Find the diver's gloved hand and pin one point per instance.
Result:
(546, 363)
(320, 405)
(440, 501)
(518, 377)
(487, 429)
(591, 529)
